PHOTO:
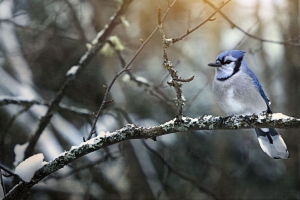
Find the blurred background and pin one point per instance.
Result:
(41, 40)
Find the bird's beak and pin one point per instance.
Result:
(215, 64)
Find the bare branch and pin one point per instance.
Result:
(131, 131)
(176, 81)
(208, 19)
(21, 101)
(184, 80)
(6, 100)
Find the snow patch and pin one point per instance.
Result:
(92, 141)
(169, 122)
(207, 117)
(142, 80)
(126, 78)
(72, 71)
(277, 116)
(104, 134)
(26, 169)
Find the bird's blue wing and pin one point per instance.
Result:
(259, 87)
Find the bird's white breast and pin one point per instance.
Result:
(238, 95)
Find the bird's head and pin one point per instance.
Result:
(227, 63)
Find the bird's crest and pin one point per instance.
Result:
(237, 54)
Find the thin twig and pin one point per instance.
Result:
(2, 183)
(202, 23)
(76, 21)
(10, 123)
(8, 100)
(240, 42)
(184, 80)
(147, 85)
(233, 25)
(13, 118)
(8, 172)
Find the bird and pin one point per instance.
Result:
(238, 92)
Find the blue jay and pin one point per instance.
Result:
(238, 91)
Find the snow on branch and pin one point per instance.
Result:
(131, 131)
(26, 169)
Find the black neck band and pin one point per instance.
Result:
(235, 70)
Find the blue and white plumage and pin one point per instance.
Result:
(238, 91)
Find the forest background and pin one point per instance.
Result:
(41, 40)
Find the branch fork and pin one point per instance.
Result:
(176, 81)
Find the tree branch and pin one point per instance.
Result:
(93, 49)
(131, 131)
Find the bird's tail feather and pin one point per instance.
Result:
(272, 143)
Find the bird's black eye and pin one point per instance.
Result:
(227, 62)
